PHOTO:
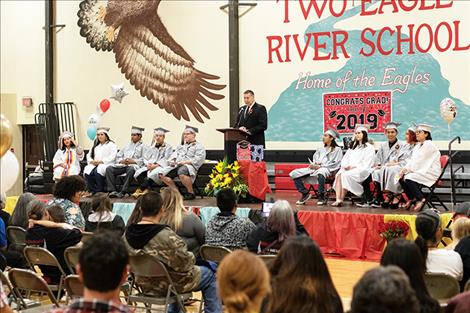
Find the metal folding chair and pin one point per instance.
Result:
(441, 286)
(71, 257)
(16, 237)
(40, 256)
(268, 259)
(444, 162)
(73, 287)
(148, 267)
(86, 236)
(213, 253)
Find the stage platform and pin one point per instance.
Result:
(347, 232)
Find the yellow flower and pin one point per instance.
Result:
(228, 180)
(219, 176)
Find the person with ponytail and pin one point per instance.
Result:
(300, 280)
(428, 227)
(242, 291)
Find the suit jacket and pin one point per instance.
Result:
(256, 122)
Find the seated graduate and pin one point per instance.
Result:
(325, 162)
(101, 155)
(155, 159)
(356, 165)
(423, 168)
(390, 185)
(388, 152)
(67, 157)
(184, 162)
(128, 161)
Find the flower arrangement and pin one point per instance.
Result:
(393, 230)
(226, 175)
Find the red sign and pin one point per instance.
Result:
(342, 111)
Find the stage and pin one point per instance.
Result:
(348, 232)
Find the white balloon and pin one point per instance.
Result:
(448, 110)
(94, 120)
(9, 171)
(118, 92)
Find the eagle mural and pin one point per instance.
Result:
(148, 56)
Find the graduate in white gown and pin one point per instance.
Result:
(128, 160)
(387, 152)
(325, 162)
(67, 157)
(356, 165)
(155, 160)
(184, 162)
(423, 168)
(390, 185)
(101, 155)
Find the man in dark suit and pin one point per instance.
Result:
(252, 118)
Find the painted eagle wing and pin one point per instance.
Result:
(162, 71)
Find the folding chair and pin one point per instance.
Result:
(86, 235)
(40, 256)
(16, 237)
(328, 187)
(467, 286)
(147, 267)
(71, 258)
(441, 286)
(268, 259)
(444, 162)
(213, 253)
(27, 280)
(12, 295)
(73, 287)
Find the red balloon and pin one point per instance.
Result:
(104, 105)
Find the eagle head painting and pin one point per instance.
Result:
(148, 56)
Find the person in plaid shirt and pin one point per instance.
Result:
(102, 275)
(4, 307)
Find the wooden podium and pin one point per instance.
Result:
(231, 137)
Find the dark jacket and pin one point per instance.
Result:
(256, 122)
(463, 248)
(116, 224)
(56, 240)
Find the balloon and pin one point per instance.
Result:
(94, 120)
(104, 105)
(118, 92)
(91, 132)
(9, 171)
(448, 110)
(6, 136)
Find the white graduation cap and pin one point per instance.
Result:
(137, 130)
(424, 127)
(333, 133)
(392, 125)
(102, 129)
(362, 127)
(160, 131)
(412, 128)
(191, 129)
(66, 134)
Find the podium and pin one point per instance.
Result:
(231, 137)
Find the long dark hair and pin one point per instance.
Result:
(407, 256)
(333, 144)
(101, 204)
(301, 281)
(428, 137)
(365, 139)
(62, 146)
(427, 226)
(97, 142)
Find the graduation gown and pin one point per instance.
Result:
(384, 155)
(424, 166)
(194, 152)
(103, 152)
(71, 157)
(363, 159)
(154, 155)
(329, 160)
(388, 181)
(132, 151)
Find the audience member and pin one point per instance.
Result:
(407, 256)
(4, 215)
(463, 249)
(384, 290)
(103, 216)
(136, 215)
(183, 222)
(67, 193)
(102, 275)
(55, 237)
(151, 237)
(226, 229)
(459, 304)
(19, 217)
(268, 237)
(301, 281)
(460, 229)
(242, 291)
(4, 307)
(428, 227)
(56, 213)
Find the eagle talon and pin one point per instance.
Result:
(101, 13)
(110, 34)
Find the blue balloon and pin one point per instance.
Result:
(91, 132)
